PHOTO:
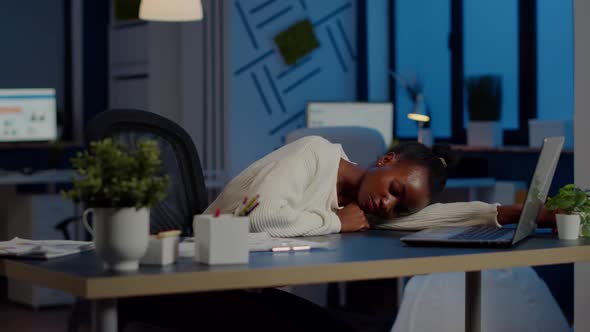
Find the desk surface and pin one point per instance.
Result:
(358, 256)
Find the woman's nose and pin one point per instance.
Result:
(388, 203)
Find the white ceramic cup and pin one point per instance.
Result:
(568, 226)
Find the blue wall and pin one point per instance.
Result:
(267, 98)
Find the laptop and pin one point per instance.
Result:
(502, 237)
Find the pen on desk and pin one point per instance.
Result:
(290, 248)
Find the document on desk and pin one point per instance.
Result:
(42, 249)
(258, 242)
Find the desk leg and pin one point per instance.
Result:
(104, 315)
(473, 301)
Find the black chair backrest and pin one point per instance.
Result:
(186, 193)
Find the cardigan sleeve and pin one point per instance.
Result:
(279, 212)
(443, 215)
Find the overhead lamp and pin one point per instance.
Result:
(171, 10)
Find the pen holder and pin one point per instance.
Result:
(221, 240)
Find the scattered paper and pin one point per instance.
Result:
(42, 249)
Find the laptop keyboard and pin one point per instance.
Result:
(482, 233)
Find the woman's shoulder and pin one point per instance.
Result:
(313, 142)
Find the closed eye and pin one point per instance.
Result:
(397, 189)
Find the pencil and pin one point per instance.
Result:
(252, 208)
(247, 207)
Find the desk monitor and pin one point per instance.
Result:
(378, 116)
(27, 115)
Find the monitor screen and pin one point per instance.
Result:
(27, 115)
(373, 115)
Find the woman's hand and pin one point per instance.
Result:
(546, 218)
(509, 214)
(352, 219)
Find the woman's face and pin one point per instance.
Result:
(394, 188)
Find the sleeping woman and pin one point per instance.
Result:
(309, 187)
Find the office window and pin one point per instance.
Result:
(529, 43)
(490, 46)
(555, 41)
(421, 44)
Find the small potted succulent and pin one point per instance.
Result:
(484, 105)
(118, 187)
(573, 206)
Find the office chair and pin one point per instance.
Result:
(186, 193)
(362, 145)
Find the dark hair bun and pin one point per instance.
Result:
(444, 151)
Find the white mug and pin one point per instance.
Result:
(85, 221)
(120, 235)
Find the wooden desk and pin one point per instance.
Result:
(358, 256)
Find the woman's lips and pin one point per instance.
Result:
(371, 206)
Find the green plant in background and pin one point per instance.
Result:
(114, 177)
(572, 200)
(484, 97)
(297, 41)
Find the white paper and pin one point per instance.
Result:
(43, 249)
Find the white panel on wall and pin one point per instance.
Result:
(267, 97)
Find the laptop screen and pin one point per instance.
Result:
(539, 187)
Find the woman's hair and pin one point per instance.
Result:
(435, 160)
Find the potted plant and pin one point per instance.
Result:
(484, 104)
(575, 205)
(119, 187)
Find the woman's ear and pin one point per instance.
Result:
(387, 159)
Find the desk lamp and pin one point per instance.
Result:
(171, 10)
(422, 117)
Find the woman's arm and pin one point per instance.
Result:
(509, 214)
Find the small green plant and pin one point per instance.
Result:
(111, 176)
(484, 97)
(572, 200)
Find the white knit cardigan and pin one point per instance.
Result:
(297, 188)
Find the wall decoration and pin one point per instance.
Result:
(268, 92)
(297, 41)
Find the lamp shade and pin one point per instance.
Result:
(171, 10)
(418, 117)
(419, 113)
